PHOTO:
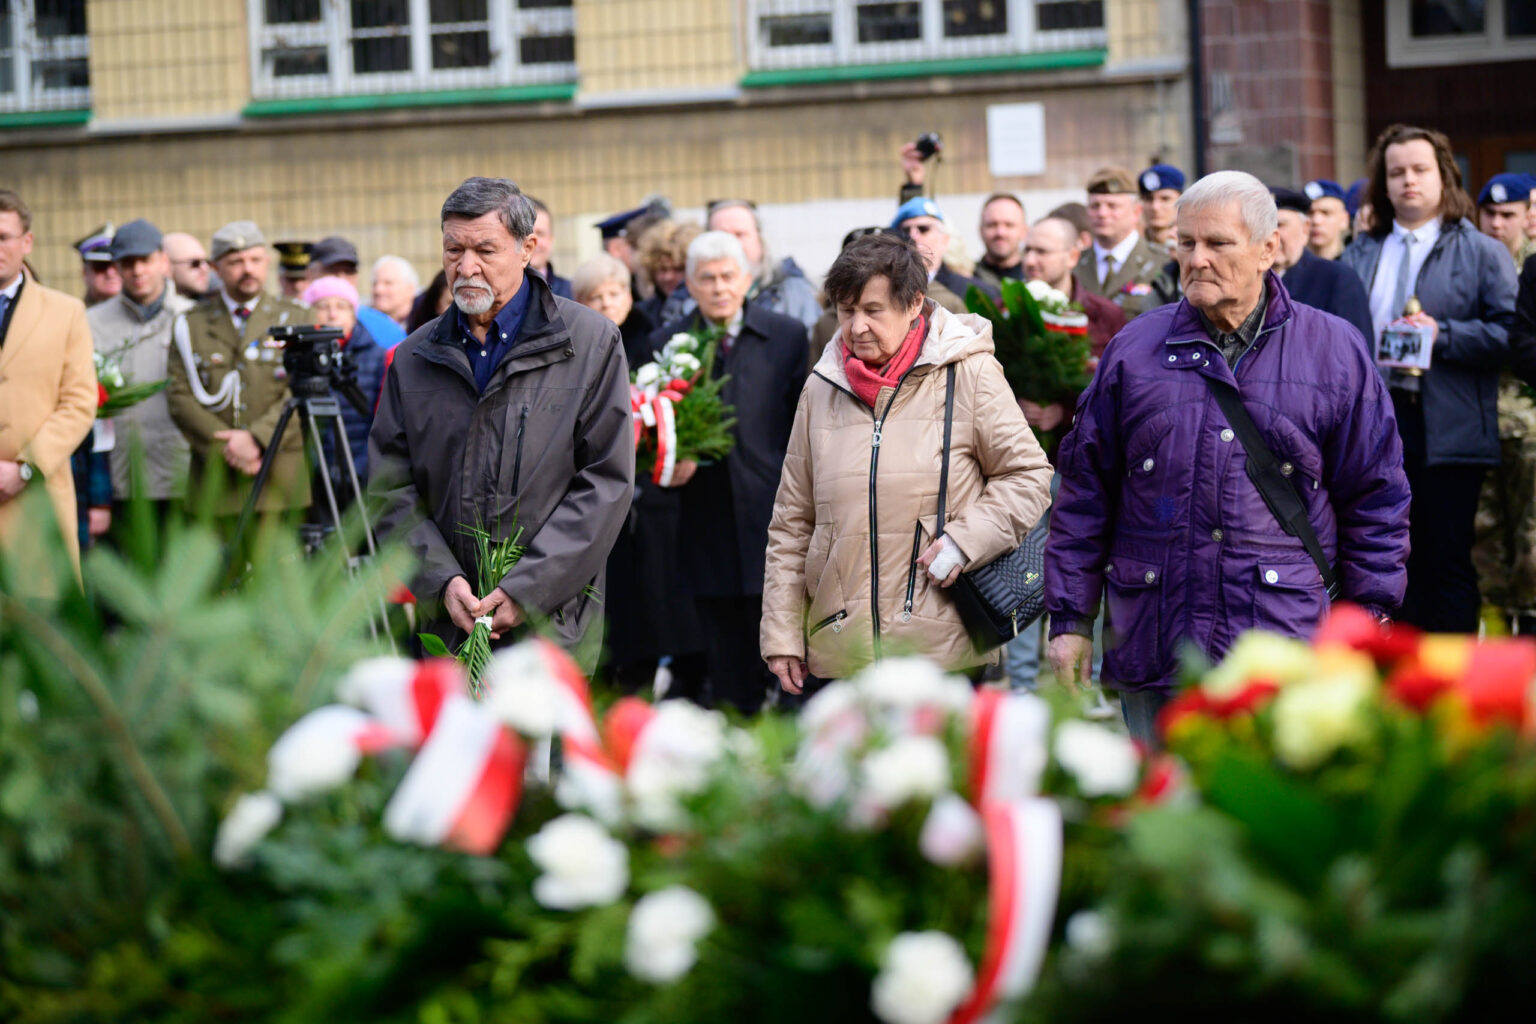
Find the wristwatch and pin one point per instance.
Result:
(25, 469)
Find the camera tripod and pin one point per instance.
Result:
(314, 370)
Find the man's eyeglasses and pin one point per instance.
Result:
(196, 262)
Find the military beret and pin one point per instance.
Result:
(1322, 188)
(1290, 199)
(918, 206)
(1506, 188)
(1112, 181)
(1160, 176)
(1355, 195)
(236, 236)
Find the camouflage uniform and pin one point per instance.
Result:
(1505, 550)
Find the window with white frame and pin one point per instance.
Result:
(340, 47)
(811, 33)
(1421, 33)
(44, 55)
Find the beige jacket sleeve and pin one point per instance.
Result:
(1018, 474)
(61, 433)
(789, 536)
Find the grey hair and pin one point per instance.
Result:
(716, 245)
(1253, 199)
(480, 196)
(598, 271)
(406, 270)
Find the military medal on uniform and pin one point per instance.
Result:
(1406, 346)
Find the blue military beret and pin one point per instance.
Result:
(1354, 195)
(921, 206)
(614, 226)
(1506, 188)
(1322, 188)
(1161, 176)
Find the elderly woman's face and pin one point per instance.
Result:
(612, 299)
(334, 311)
(667, 276)
(875, 326)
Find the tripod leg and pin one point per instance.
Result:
(312, 433)
(260, 484)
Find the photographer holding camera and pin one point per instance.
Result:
(1002, 228)
(228, 384)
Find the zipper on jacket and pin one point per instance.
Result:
(517, 461)
(832, 620)
(874, 515)
(917, 544)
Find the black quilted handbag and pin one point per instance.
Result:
(1001, 599)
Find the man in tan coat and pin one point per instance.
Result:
(47, 389)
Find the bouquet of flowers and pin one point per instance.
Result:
(1364, 847)
(114, 392)
(890, 855)
(677, 409)
(1041, 339)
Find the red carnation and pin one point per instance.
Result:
(101, 394)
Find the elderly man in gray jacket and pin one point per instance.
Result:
(508, 412)
(133, 330)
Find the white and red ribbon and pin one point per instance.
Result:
(666, 440)
(1024, 865)
(1009, 737)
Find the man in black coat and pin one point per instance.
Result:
(1522, 335)
(1322, 284)
(726, 506)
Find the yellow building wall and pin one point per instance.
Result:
(657, 45)
(168, 59)
(382, 186)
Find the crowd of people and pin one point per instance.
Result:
(501, 396)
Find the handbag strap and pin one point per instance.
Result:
(1272, 481)
(949, 423)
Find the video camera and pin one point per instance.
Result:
(317, 364)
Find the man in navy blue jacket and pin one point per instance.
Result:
(1322, 284)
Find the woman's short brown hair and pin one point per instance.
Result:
(666, 242)
(1454, 201)
(886, 255)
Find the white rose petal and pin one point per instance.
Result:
(952, 835)
(661, 944)
(1104, 763)
(253, 816)
(648, 374)
(592, 791)
(905, 684)
(583, 865)
(368, 681)
(318, 752)
(923, 977)
(673, 758)
(523, 695)
(1089, 933)
(911, 767)
(1038, 289)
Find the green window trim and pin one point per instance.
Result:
(44, 118)
(1052, 61)
(556, 92)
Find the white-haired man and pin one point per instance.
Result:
(1157, 508)
(394, 287)
(726, 506)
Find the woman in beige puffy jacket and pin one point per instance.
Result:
(854, 572)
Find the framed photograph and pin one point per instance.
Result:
(1404, 347)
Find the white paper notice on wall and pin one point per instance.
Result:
(1016, 139)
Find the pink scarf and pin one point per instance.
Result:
(867, 382)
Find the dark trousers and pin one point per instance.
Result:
(737, 673)
(1442, 584)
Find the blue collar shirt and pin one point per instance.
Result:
(500, 337)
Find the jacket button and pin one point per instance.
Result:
(1271, 577)
(1151, 576)
(570, 351)
(1147, 466)
(1216, 536)
(1227, 435)
(1173, 359)
(1110, 567)
(1286, 469)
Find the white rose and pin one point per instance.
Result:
(647, 375)
(1104, 763)
(248, 822)
(1314, 719)
(1089, 933)
(318, 752)
(680, 342)
(583, 865)
(905, 684)
(592, 791)
(683, 364)
(523, 695)
(953, 834)
(923, 977)
(661, 944)
(371, 680)
(1038, 289)
(911, 767)
(821, 774)
(673, 758)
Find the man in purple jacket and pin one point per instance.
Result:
(1156, 509)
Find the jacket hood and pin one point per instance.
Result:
(952, 337)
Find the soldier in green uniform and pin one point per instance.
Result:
(227, 382)
(1121, 266)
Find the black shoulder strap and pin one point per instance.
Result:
(949, 423)
(1274, 484)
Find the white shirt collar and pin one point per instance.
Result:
(231, 305)
(1120, 252)
(1425, 233)
(10, 290)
